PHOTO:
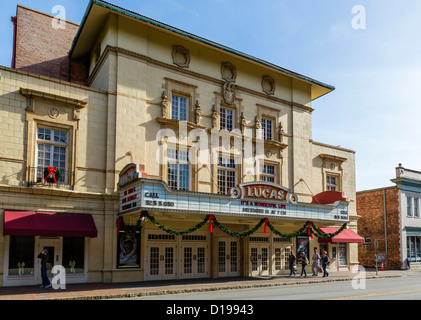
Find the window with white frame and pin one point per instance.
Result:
(332, 183)
(416, 206)
(178, 170)
(267, 129)
(52, 148)
(267, 173)
(409, 206)
(226, 175)
(179, 108)
(226, 119)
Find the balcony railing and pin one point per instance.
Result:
(42, 176)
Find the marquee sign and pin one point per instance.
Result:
(247, 200)
(264, 191)
(128, 174)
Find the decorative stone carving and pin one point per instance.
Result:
(181, 56)
(228, 72)
(229, 92)
(53, 113)
(243, 123)
(258, 124)
(281, 132)
(214, 118)
(268, 85)
(164, 105)
(198, 113)
(30, 104)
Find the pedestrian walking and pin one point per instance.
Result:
(325, 263)
(44, 260)
(292, 266)
(304, 261)
(316, 263)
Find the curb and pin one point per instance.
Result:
(210, 289)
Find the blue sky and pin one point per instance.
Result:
(375, 108)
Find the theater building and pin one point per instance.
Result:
(136, 151)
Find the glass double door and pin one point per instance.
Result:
(259, 259)
(171, 261)
(266, 260)
(228, 257)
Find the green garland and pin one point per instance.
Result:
(289, 235)
(239, 234)
(174, 232)
(319, 233)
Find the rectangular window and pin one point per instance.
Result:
(409, 206)
(21, 256)
(74, 255)
(226, 175)
(343, 261)
(267, 173)
(416, 206)
(267, 128)
(179, 108)
(52, 148)
(178, 170)
(226, 119)
(331, 183)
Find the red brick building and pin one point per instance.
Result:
(42, 49)
(391, 216)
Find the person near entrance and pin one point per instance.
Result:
(292, 266)
(304, 261)
(316, 263)
(44, 260)
(325, 263)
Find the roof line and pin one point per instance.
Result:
(156, 23)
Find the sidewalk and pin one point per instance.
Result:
(89, 291)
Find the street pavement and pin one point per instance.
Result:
(96, 291)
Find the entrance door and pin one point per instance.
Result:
(228, 257)
(259, 258)
(160, 262)
(53, 246)
(194, 261)
(280, 259)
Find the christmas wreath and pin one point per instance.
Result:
(51, 175)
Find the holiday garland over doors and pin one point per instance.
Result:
(309, 227)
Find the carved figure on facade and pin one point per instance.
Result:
(198, 113)
(243, 123)
(281, 132)
(164, 105)
(214, 118)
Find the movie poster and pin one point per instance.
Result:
(128, 250)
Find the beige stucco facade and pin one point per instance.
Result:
(115, 120)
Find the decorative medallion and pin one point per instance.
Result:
(228, 72)
(268, 85)
(53, 113)
(229, 92)
(181, 56)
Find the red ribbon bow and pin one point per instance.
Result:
(51, 171)
(266, 225)
(119, 220)
(211, 217)
(309, 229)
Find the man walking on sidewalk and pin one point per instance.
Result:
(316, 263)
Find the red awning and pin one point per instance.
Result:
(48, 224)
(346, 236)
